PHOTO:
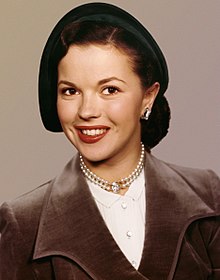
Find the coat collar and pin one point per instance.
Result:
(72, 226)
(169, 196)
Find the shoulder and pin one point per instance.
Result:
(195, 175)
(205, 178)
(24, 210)
(187, 174)
(28, 207)
(30, 199)
(190, 182)
(19, 220)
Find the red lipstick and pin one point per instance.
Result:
(90, 139)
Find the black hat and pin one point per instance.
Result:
(100, 12)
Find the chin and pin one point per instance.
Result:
(94, 156)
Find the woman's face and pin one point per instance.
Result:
(100, 101)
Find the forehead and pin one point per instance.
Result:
(89, 52)
(99, 60)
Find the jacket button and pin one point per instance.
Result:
(134, 263)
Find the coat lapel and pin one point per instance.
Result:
(169, 212)
(71, 226)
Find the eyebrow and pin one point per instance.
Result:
(66, 83)
(107, 80)
(101, 82)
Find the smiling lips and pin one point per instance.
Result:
(91, 134)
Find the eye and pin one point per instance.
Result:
(69, 91)
(110, 90)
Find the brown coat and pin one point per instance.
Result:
(57, 232)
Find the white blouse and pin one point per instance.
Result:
(124, 217)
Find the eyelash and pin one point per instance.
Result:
(73, 91)
(69, 91)
(115, 89)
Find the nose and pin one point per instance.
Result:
(89, 107)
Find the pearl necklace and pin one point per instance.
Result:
(116, 186)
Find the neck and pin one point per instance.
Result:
(114, 170)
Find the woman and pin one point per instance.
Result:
(115, 212)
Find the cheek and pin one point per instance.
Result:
(66, 112)
(124, 111)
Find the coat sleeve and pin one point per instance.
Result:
(214, 249)
(8, 243)
(214, 240)
(12, 246)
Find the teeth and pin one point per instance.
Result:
(93, 132)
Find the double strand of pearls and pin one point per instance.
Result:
(116, 186)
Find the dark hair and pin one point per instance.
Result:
(85, 33)
(142, 62)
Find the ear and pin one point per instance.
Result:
(150, 96)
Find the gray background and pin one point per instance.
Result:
(189, 35)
